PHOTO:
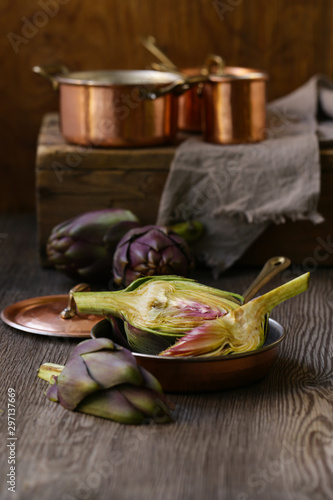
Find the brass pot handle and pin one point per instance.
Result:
(150, 44)
(214, 65)
(177, 87)
(70, 310)
(162, 67)
(50, 73)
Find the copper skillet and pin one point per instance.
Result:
(206, 374)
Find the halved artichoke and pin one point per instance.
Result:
(174, 316)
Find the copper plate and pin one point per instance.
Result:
(41, 315)
(201, 374)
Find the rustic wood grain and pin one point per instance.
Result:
(270, 440)
(290, 40)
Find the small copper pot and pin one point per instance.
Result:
(117, 108)
(228, 108)
(234, 106)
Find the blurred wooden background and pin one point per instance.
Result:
(292, 40)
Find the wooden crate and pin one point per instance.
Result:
(72, 179)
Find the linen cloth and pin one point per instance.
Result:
(237, 191)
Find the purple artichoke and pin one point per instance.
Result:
(104, 379)
(150, 251)
(83, 247)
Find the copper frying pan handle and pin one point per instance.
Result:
(50, 73)
(272, 267)
(70, 310)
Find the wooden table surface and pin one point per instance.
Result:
(271, 440)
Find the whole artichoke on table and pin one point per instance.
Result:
(151, 251)
(104, 379)
(83, 247)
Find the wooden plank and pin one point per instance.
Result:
(270, 440)
(67, 157)
(118, 184)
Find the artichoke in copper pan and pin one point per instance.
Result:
(151, 251)
(175, 316)
(83, 247)
(158, 310)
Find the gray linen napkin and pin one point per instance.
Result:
(238, 190)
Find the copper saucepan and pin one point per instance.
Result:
(229, 107)
(234, 106)
(118, 108)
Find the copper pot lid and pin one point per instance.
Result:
(53, 315)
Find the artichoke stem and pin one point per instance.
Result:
(97, 302)
(286, 291)
(48, 370)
